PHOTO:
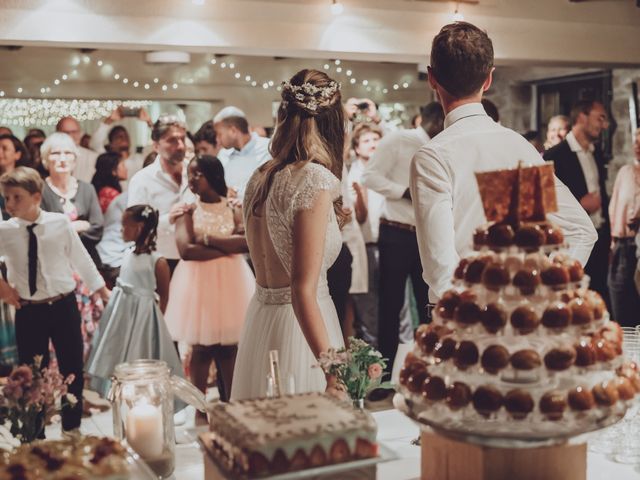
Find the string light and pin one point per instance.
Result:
(336, 7)
(339, 68)
(457, 15)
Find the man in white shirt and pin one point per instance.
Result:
(245, 151)
(86, 159)
(387, 173)
(163, 184)
(581, 167)
(446, 199)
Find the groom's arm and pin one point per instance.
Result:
(431, 191)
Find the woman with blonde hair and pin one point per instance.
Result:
(293, 212)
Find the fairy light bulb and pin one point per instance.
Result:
(336, 7)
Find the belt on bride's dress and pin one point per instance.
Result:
(282, 296)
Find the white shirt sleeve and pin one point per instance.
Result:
(376, 173)
(137, 192)
(578, 229)
(431, 191)
(81, 261)
(99, 138)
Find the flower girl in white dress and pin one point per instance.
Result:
(292, 210)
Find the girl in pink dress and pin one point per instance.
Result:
(213, 284)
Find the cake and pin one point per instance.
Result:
(275, 435)
(88, 458)
(522, 348)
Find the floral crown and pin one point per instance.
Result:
(309, 97)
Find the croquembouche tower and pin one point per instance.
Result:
(520, 356)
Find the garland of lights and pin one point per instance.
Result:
(28, 112)
(32, 111)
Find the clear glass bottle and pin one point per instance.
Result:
(142, 396)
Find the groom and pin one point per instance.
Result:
(443, 185)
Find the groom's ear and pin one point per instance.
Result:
(487, 83)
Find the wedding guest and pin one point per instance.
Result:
(13, 154)
(446, 200)
(163, 184)
(42, 253)
(132, 326)
(205, 140)
(387, 173)
(5, 131)
(110, 171)
(8, 348)
(580, 165)
(367, 209)
(85, 162)
(115, 138)
(416, 120)
(212, 284)
(112, 247)
(246, 151)
(348, 276)
(292, 216)
(624, 212)
(33, 141)
(557, 129)
(63, 193)
(85, 141)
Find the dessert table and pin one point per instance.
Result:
(395, 430)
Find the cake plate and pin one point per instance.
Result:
(503, 438)
(355, 470)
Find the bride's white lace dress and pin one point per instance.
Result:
(271, 323)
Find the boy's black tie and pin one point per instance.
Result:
(33, 258)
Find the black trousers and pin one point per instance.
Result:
(625, 301)
(399, 259)
(598, 265)
(339, 280)
(60, 323)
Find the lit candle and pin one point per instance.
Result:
(144, 430)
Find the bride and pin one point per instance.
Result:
(292, 213)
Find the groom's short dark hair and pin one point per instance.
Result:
(461, 58)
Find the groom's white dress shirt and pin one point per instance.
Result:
(446, 198)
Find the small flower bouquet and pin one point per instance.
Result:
(358, 368)
(32, 396)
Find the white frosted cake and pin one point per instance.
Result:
(276, 435)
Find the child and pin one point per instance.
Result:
(212, 285)
(42, 251)
(132, 327)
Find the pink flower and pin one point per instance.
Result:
(375, 371)
(22, 375)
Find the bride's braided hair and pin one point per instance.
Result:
(310, 98)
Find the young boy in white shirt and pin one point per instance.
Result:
(42, 251)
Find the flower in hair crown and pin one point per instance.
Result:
(310, 97)
(146, 211)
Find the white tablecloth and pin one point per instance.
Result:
(394, 430)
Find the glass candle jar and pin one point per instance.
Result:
(142, 397)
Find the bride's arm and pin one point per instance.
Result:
(309, 232)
